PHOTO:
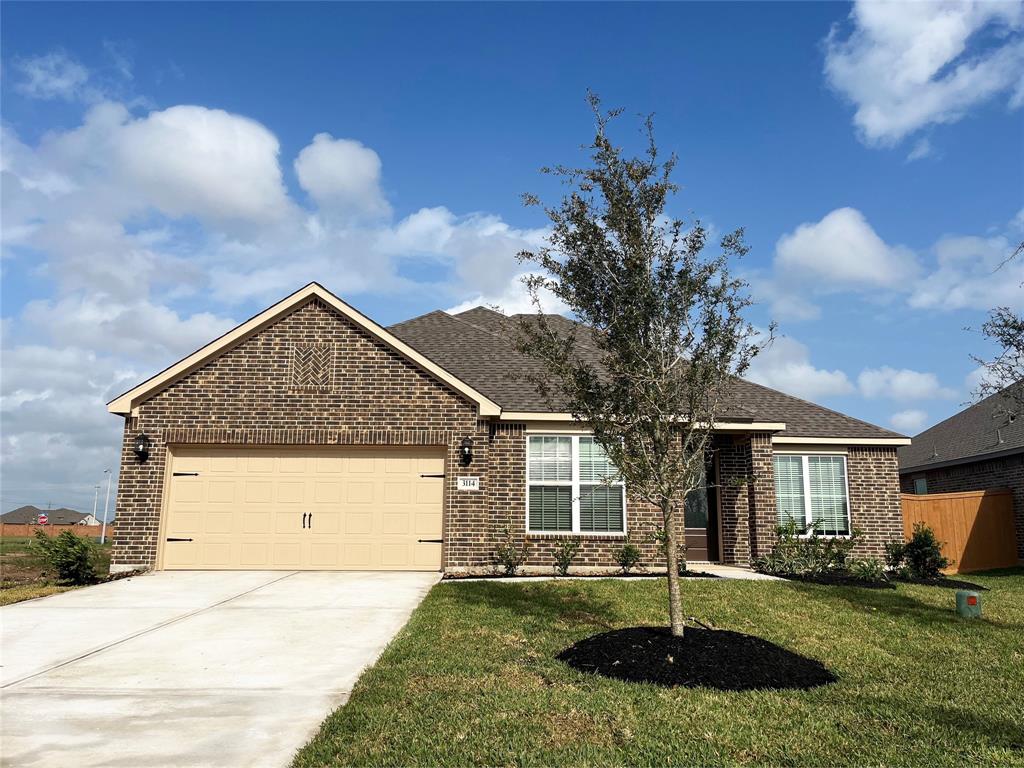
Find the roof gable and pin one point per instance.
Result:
(123, 404)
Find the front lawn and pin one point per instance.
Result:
(473, 680)
(24, 577)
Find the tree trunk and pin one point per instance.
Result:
(675, 603)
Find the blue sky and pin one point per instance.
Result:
(170, 169)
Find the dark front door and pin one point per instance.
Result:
(702, 519)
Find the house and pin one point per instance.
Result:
(310, 437)
(29, 515)
(979, 448)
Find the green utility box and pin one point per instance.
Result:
(968, 604)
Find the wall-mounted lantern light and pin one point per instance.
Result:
(466, 450)
(142, 446)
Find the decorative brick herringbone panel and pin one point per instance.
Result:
(312, 366)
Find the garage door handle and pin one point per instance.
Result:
(174, 539)
(185, 474)
(310, 519)
(303, 519)
(431, 541)
(441, 475)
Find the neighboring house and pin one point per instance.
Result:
(29, 515)
(312, 437)
(979, 448)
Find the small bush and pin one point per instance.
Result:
(628, 556)
(72, 558)
(564, 554)
(866, 568)
(803, 552)
(894, 551)
(923, 554)
(509, 554)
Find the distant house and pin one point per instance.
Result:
(979, 448)
(29, 515)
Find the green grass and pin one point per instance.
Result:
(472, 680)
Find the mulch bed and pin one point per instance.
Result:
(685, 574)
(946, 582)
(837, 580)
(701, 658)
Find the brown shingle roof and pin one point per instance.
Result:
(987, 427)
(475, 346)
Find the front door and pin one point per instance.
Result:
(702, 519)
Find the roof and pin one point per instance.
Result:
(476, 346)
(987, 429)
(123, 404)
(27, 515)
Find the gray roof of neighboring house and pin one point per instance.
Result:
(475, 346)
(987, 429)
(28, 514)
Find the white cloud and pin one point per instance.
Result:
(342, 176)
(190, 160)
(921, 150)
(907, 65)
(840, 252)
(909, 422)
(514, 300)
(54, 75)
(901, 384)
(971, 274)
(786, 366)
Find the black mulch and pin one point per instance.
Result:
(685, 574)
(945, 582)
(837, 580)
(705, 658)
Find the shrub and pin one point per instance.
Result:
(804, 552)
(923, 554)
(71, 557)
(564, 554)
(628, 556)
(894, 551)
(866, 568)
(509, 554)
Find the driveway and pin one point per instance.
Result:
(191, 668)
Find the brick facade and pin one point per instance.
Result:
(315, 378)
(1000, 472)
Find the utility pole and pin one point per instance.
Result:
(106, 506)
(95, 501)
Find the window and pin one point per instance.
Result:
(572, 487)
(812, 489)
(920, 485)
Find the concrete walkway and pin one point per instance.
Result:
(191, 668)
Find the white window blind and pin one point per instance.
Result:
(812, 490)
(572, 486)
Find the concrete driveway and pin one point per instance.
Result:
(191, 668)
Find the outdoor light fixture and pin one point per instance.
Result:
(466, 450)
(142, 445)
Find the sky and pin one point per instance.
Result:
(169, 170)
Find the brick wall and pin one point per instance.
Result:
(873, 479)
(1001, 472)
(250, 395)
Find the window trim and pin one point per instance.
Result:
(575, 485)
(806, 477)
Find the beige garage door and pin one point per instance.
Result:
(323, 509)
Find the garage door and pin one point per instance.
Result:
(323, 509)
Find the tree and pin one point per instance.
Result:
(652, 375)
(1004, 372)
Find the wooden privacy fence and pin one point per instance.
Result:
(13, 530)
(975, 527)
